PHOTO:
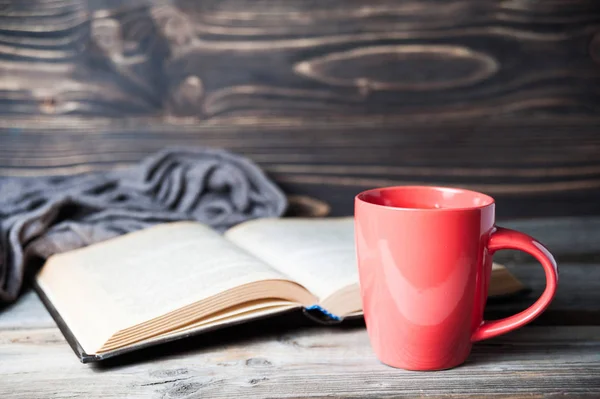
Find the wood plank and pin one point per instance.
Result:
(319, 362)
(384, 56)
(437, 59)
(534, 169)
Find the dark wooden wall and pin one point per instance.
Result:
(330, 96)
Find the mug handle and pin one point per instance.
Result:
(503, 238)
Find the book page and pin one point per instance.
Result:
(133, 278)
(317, 253)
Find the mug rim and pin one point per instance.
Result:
(489, 200)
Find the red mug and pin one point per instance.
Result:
(424, 263)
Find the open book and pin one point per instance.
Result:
(183, 278)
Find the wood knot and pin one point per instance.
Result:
(595, 47)
(187, 97)
(258, 362)
(401, 68)
(174, 25)
(256, 381)
(185, 389)
(192, 85)
(107, 35)
(169, 373)
(48, 105)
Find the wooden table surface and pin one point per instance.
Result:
(557, 355)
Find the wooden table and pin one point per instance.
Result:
(558, 355)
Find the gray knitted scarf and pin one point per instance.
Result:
(41, 216)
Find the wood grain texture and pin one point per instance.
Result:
(532, 362)
(330, 97)
(437, 59)
(550, 168)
